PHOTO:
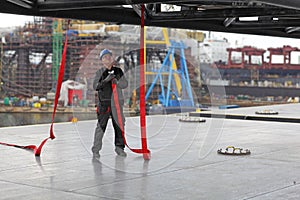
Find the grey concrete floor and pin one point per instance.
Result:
(184, 162)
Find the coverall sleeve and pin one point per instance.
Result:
(97, 84)
(122, 81)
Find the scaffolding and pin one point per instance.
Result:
(24, 68)
(57, 43)
(32, 54)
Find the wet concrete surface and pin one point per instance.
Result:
(184, 161)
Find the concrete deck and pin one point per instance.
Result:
(285, 113)
(184, 163)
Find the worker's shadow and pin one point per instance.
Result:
(39, 162)
(97, 165)
(120, 165)
(145, 169)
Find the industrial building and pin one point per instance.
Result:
(31, 55)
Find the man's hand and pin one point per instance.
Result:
(100, 84)
(115, 81)
(118, 77)
(109, 78)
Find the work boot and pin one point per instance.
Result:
(96, 155)
(120, 151)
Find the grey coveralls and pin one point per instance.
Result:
(106, 106)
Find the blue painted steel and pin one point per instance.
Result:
(170, 97)
(166, 102)
(158, 75)
(185, 75)
(228, 106)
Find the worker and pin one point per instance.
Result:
(108, 74)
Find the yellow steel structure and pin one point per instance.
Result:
(166, 41)
(197, 35)
(1, 60)
(57, 44)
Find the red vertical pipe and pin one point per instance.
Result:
(146, 154)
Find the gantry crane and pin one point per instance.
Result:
(177, 93)
(166, 42)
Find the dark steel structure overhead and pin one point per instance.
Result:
(260, 17)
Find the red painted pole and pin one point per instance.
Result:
(146, 154)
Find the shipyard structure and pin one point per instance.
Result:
(31, 56)
(271, 73)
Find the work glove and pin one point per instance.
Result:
(115, 81)
(110, 77)
(118, 77)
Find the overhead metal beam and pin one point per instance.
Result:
(21, 3)
(220, 28)
(292, 29)
(120, 15)
(291, 4)
(222, 14)
(216, 15)
(229, 21)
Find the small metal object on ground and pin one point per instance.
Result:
(231, 150)
(266, 112)
(192, 119)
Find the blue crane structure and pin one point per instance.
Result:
(171, 95)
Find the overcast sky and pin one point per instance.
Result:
(256, 41)
(8, 20)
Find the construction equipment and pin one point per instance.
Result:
(167, 72)
(1, 60)
(171, 95)
(167, 43)
(57, 49)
